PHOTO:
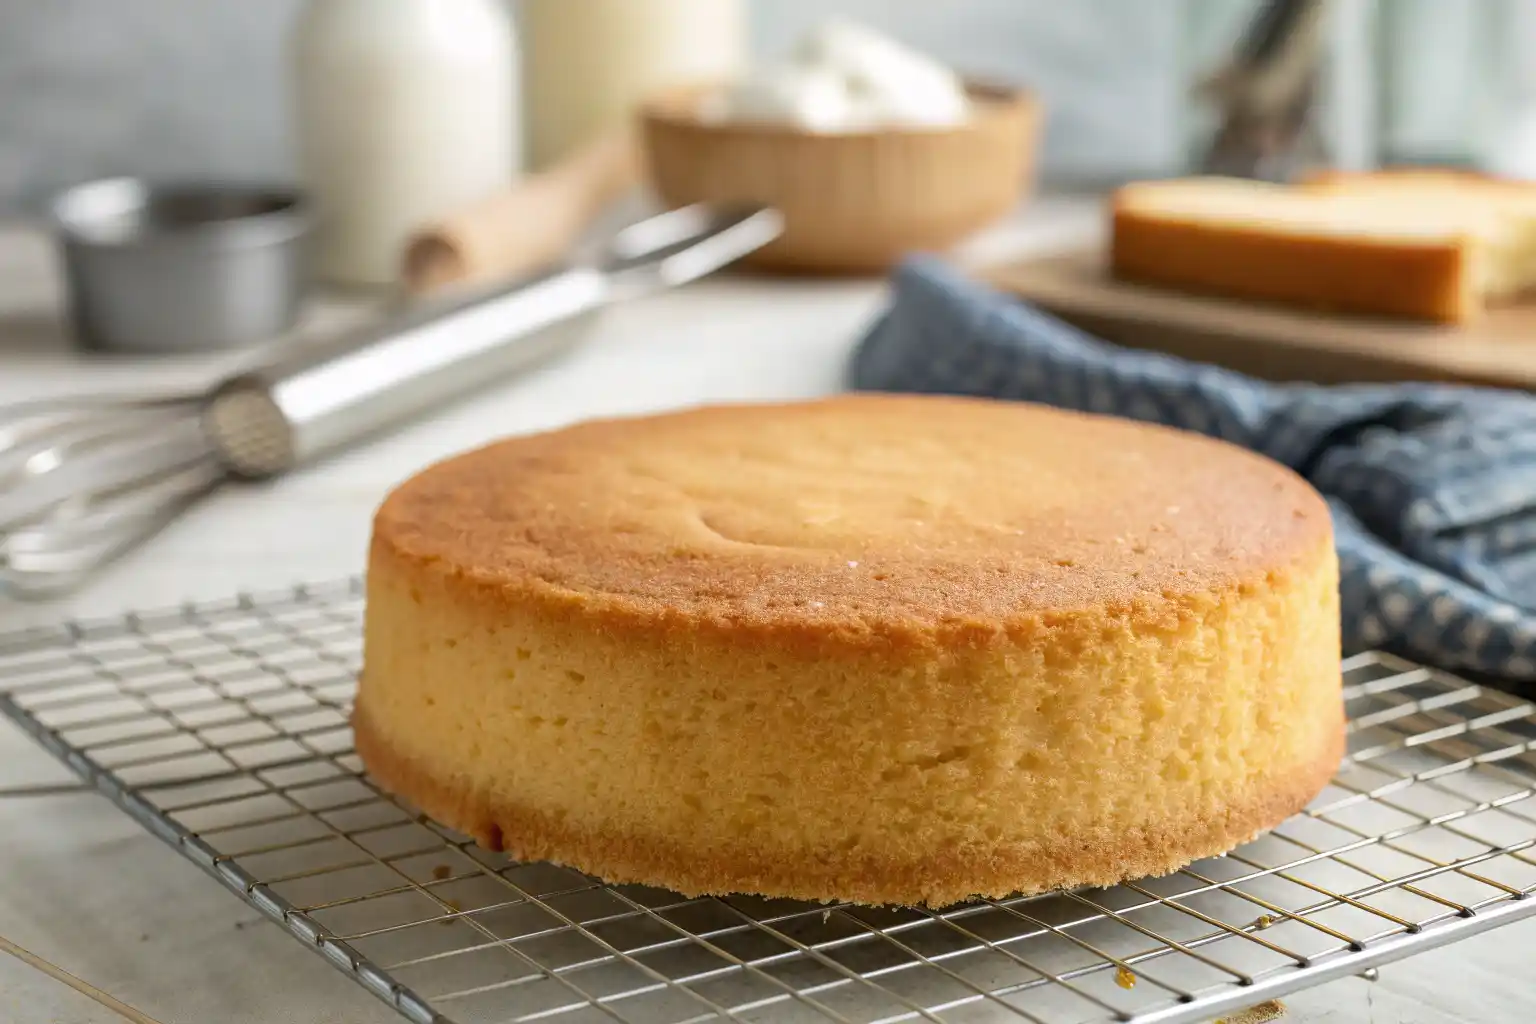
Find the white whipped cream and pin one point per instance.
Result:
(845, 77)
(816, 99)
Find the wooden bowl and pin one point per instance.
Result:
(854, 202)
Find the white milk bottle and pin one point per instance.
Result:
(405, 110)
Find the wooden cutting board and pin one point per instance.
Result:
(1277, 344)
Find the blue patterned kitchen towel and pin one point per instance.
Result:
(1433, 487)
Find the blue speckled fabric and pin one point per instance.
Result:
(1433, 488)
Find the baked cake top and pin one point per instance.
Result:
(858, 513)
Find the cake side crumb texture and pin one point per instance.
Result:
(882, 649)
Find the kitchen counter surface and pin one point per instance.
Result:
(84, 887)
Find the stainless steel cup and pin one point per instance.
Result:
(180, 267)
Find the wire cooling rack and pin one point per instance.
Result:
(222, 728)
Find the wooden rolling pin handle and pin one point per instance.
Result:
(528, 226)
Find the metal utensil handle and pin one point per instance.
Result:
(277, 417)
(280, 416)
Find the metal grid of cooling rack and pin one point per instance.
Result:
(222, 728)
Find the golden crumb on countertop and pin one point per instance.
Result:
(1263, 1013)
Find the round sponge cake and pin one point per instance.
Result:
(875, 648)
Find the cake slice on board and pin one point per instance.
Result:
(1424, 245)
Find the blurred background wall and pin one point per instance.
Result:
(166, 86)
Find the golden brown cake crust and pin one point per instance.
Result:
(882, 649)
(675, 521)
(949, 877)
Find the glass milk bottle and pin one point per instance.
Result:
(588, 62)
(405, 111)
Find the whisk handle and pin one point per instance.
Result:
(376, 377)
(280, 416)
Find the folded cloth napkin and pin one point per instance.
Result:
(1433, 488)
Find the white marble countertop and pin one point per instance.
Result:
(84, 887)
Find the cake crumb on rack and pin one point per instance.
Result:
(1265, 1012)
